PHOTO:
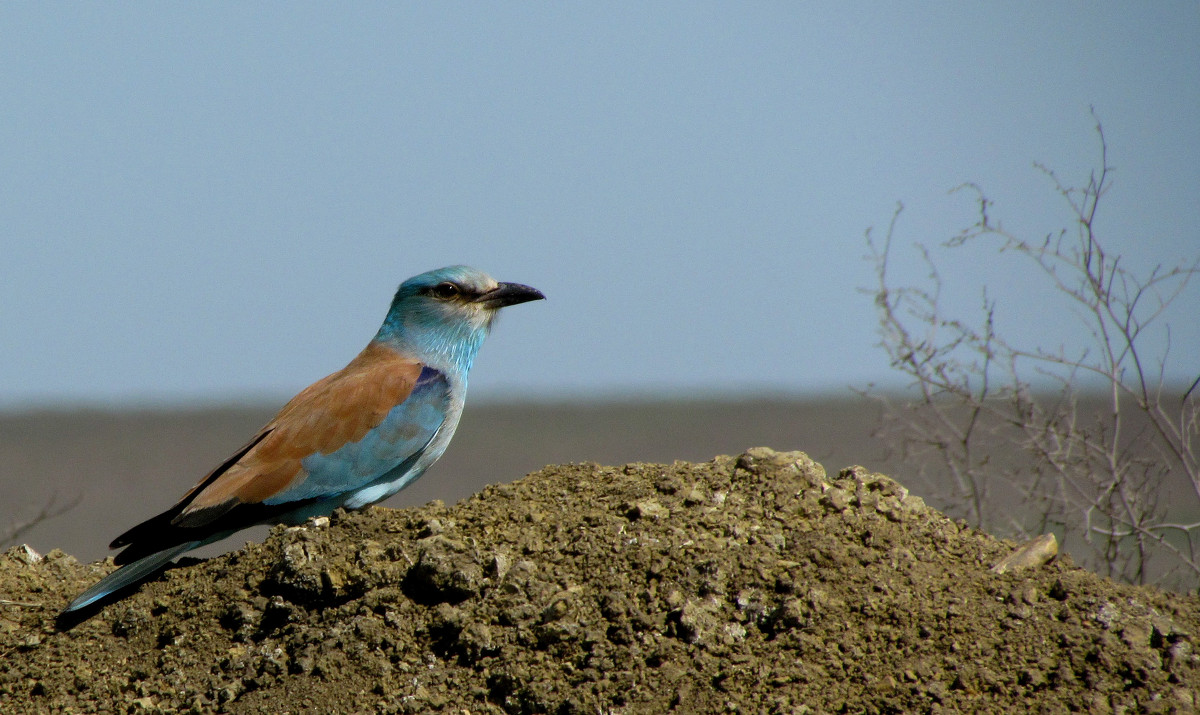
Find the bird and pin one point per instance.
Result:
(348, 440)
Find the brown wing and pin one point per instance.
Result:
(336, 410)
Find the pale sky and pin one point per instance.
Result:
(215, 201)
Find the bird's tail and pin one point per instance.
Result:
(128, 575)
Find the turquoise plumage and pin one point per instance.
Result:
(349, 440)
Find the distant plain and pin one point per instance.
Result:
(120, 467)
(124, 466)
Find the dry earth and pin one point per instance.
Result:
(745, 584)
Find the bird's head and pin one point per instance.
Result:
(450, 310)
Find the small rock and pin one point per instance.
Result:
(498, 566)
(25, 554)
(793, 613)
(762, 460)
(60, 556)
(696, 621)
(558, 607)
(1031, 554)
(1107, 615)
(431, 527)
(694, 496)
(756, 458)
(445, 572)
(648, 509)
(836, 499)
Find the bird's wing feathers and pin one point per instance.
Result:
(402, 435)
(291, 458)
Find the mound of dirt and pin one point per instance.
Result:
(749, 584)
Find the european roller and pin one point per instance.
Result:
(349, 440)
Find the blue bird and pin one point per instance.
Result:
(349, 440)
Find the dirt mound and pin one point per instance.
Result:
(749, 584)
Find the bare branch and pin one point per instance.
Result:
(48, 511)
(1095, 471)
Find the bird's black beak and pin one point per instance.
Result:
(509, 294)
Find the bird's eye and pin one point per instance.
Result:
(445, 291)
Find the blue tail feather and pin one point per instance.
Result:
(129, 574)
